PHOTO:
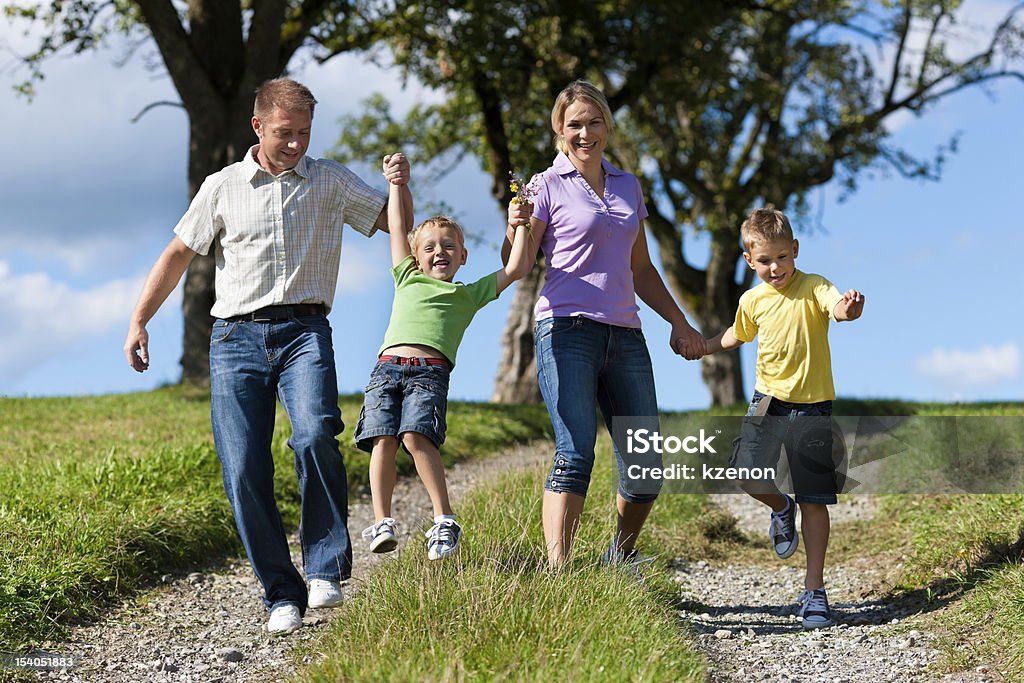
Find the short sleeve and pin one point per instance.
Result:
(363, 204)
(641, 207)
(542, 200)
(827, 295)
(197, 228)
(744, 327)
(403, 270)
(484, 290)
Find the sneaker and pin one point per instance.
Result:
(382, 536)
(630, 562)
(814, 610)
(324, 593)
(284, 619)
(443, 538)
(783, 530)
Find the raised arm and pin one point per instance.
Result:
(849, 307)
(397, 171)
(521, 253)
(399, 206)
(160, 282)
(684, 340)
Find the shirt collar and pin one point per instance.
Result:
(251, 167)
(563, 166)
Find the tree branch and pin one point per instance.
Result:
(154, 105)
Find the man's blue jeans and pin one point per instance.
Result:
(252, 364)
(582, 365)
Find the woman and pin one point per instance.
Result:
(588, 217)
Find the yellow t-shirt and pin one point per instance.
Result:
(793, 359)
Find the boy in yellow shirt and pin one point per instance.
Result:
(792, 403)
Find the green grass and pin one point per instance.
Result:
(959, 564)
(497, 613)
(101, 495)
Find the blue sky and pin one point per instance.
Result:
(89, 201)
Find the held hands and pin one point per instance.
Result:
(687, 342)
(396, 169)
(519, 213)
(850, 306)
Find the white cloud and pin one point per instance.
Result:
(986, 365)
(44, 316)
(365, 265)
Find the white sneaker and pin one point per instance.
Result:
(443, 538)
(284, 619)
(324, 593)
(382, 536)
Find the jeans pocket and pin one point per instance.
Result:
(222, 329)
(549, 327)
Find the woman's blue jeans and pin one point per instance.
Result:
(252, 364)
(582, 365)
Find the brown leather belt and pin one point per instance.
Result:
(269, 314)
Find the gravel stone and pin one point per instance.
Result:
(864, 646)
(177, 632)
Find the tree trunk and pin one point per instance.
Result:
(516, 379)
(221, 133)
(722, 372)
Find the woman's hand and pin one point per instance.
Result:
(687, 342)
(519, 213)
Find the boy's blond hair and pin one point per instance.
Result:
(765, 225)
(283, 93)
(436, 222)
(585, 92)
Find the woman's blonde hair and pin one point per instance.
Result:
(578, 90)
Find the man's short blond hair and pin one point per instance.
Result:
(765, 225)
(284, 94)
(436, 222)
(583, 91)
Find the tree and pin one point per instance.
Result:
(721, 107)
(500, 65)
(216, 53)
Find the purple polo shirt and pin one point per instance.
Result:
(588, 243)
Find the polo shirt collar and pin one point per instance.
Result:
(251, 167)
(562, 166)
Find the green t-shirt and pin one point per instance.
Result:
(433, 312)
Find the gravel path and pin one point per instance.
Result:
(746, 623)
(209, 626)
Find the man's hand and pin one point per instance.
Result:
(397, 169)
(136, 348)
(850, 306)
(687, 342)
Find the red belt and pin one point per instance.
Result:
(402, 360)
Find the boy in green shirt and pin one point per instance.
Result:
(406, 399)
(792, 403)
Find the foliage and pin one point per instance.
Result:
(721, 107)
(104, 494)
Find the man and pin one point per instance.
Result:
(276, 219)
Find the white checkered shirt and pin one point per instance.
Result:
(279, 237)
